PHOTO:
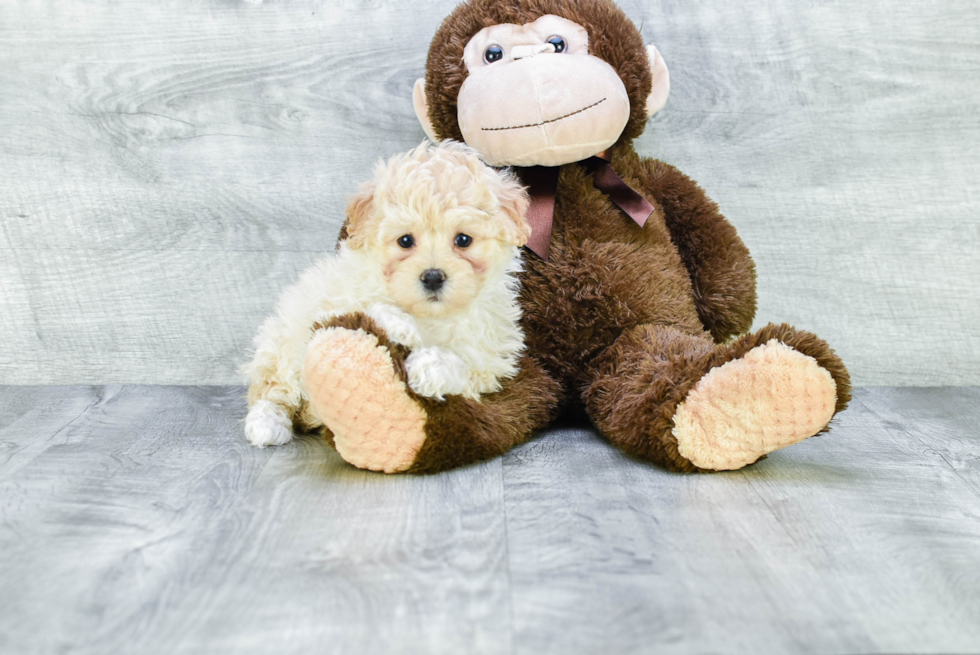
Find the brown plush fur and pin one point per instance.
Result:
(639, 382)
(621, 319)
(461, 431)
(722, 272)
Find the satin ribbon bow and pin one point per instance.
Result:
(542, 184)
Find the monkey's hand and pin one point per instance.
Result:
(398, 325)
(435, 373)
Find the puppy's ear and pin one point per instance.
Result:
(513, 209)
(360, 217)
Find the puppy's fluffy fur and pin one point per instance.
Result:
(408, 221)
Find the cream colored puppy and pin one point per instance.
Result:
(431, 251)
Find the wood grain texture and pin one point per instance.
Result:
(861, 541)
(136, 519)
(149, 525)
(165, 170)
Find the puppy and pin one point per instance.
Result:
(431, 251)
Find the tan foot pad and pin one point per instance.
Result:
(772, 397)
(353, 389)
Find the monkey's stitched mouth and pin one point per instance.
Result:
(550, 120)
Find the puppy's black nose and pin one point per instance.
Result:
(433, 279)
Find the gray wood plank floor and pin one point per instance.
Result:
(135, 519)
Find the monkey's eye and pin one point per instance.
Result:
(558, 42)
(406, 241)
(463, 240)
(493, 53)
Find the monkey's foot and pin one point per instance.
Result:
(353, 388)
(771, 397)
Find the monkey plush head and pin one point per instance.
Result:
(539, 82)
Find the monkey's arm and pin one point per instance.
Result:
(722, 272)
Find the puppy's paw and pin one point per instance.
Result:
(268, 425)
(398, 325)
(435, 373)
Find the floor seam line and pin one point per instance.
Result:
(6, 475)
(510, 576)
(905, 431)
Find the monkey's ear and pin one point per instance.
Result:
(422, 109)
(360, 217)
(661, 81)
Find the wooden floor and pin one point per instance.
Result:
(135, 519)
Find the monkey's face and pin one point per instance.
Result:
(534, 95)
(537, 89)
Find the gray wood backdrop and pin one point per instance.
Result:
(167, 167)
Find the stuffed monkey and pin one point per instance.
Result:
(635, 288)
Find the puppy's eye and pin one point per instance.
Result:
(406, 241)
(558, 42)
(463, 240)
(493, 53)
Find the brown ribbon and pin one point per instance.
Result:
(542, 184)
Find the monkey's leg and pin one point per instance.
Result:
(688, 404)
(356, 384)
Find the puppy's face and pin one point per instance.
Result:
(436, 265)
(440, 224)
